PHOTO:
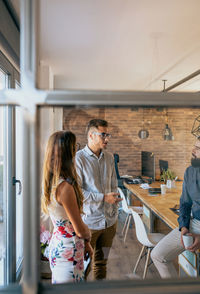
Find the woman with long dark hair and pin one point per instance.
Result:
(62, 199)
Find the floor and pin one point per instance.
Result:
(123, 256)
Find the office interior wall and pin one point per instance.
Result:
(46, 77)
(50, 120)
(125, 123)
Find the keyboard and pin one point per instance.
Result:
(134, 181)
(176, 211)
(154, 191)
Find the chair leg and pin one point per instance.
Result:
(129, 219)
(125, 224)
(146, 263)
(138, 260)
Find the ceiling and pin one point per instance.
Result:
(120, 44)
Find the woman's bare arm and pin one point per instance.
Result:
(67, 198)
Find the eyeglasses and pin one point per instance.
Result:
(103, 135)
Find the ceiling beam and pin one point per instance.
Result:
(191, 76)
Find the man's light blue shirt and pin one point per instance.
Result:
(97, 177)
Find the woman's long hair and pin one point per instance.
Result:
(59, 163)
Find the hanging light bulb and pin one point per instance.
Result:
(167, 132)
(143, 133)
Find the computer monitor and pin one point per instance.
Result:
(163, 164)
(148, 164)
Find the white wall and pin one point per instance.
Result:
(51, 120)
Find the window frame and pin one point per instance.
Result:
(11, 274)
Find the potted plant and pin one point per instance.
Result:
(168, 176)
(45, 237)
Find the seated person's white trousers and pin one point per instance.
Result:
(169, 248)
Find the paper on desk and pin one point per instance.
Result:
(145, 186)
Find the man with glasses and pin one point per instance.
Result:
(172, 245)
(96, 170)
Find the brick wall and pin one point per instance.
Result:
(124, 125)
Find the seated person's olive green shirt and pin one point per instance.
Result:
(97, 177)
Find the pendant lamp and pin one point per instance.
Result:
(167, 132)
(143, 133)
(196, 127)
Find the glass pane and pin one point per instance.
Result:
(3, 80)
(3, 84)
(129, 146)
(8, 272)
(17, 85)
(2, 218)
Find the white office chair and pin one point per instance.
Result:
(148, 241)
(128, 210)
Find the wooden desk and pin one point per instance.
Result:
(160, 205)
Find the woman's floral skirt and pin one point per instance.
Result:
(66, 256)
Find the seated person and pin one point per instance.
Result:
(171, 245)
